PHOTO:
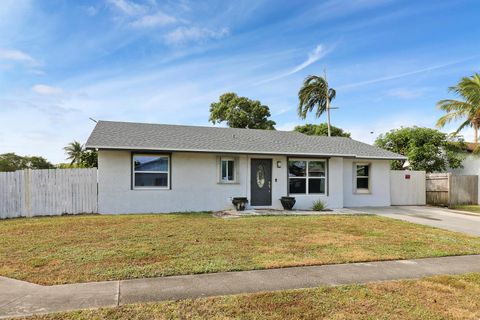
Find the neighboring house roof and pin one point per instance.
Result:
(146, 136)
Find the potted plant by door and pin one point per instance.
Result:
(288, 202)
(239, 203)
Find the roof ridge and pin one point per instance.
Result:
(197, 126)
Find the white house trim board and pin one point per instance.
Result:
(320, 155)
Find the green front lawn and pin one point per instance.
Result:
(443, 297)
(70, 249)
(468, 208)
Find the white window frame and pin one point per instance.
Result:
(307, 177)
(222, 181)
(357, 190)
(151, 155)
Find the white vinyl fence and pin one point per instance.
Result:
(29, 193)
(407, 188)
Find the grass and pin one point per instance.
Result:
(69, 249)
(441, 297)
(468, 208)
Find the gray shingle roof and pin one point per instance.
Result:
(146, 136)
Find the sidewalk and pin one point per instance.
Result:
(19, 298)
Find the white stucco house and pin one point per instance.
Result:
(157, 168)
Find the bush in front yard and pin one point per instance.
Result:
(319, 205)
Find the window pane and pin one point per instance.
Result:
(316, 186)
(316, 169)
(151, 179)
(231, 170)
(224, 170)
(228, 170)
(298, 185)
(150, 163)
(296, 168)
(362, 183)
(362, 170)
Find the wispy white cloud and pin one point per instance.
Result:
(183, 35)
(404, 74)
(406, 94)
(128, 7)
(153, 20)
(44, 89)
(368, 131)
(91, 11)
(281, 111)
(18, 56)
(142, 15)
(318, 53)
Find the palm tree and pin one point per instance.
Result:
(467, 109)
(315, 92)
(74, 151)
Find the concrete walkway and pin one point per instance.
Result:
(430, 216)
(18, 298)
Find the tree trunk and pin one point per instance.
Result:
(475, 130)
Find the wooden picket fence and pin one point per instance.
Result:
(446, 189)
(29, 193)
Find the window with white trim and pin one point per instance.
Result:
(227, 170)
(307, 176)
(362, 178)
(151, 171)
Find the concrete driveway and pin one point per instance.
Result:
(430, 216)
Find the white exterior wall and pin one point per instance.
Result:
(195, 187)
(379, 184)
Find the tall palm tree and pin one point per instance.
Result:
(467, 109)
(74, 151)
(315, 93)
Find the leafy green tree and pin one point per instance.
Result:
(241, 112)
(89, 159)
(467, 109)
(315, 93)
(38, 163)
(12, 162)
(80, 158)
(74, 152)
(65, 165)
(426, 149)
(321, 130)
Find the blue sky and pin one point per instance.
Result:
(62, 62)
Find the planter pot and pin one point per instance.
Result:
(239, 203)
(288, 202)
